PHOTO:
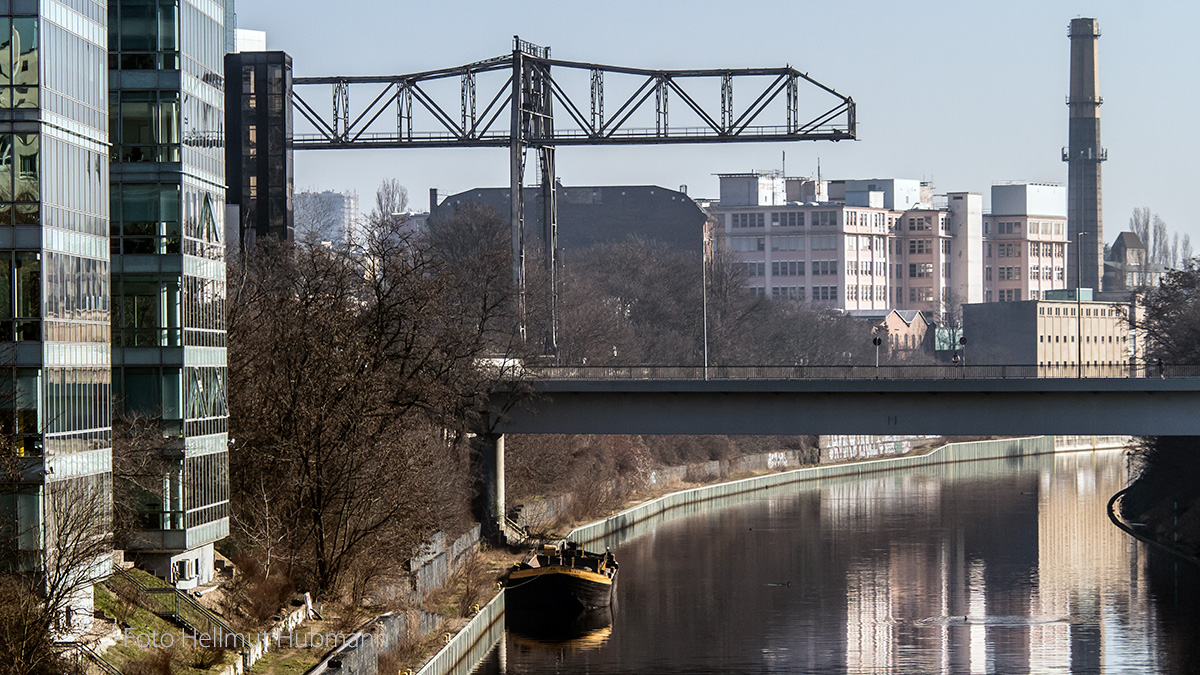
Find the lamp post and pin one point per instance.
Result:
(1079, 302)
(704, 297)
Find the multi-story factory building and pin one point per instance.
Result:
(885, 244)
(1026, 242)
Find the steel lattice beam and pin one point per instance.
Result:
(523, 88)
(454, 121)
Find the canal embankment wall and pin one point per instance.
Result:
(949, 453)
(472, 643)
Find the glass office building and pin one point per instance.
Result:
(55, 382)
(167, 248)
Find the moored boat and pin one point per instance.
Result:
(562, 578)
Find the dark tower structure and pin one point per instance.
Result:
(1083, 156)
(258, 144)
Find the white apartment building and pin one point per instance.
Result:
(329, 216)
(1026, 240)
(882, 244)
(829, 254)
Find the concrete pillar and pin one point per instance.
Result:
(498, 503)
(488, 458)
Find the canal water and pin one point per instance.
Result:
(1006, 566)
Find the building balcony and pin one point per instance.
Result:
(1086, 155)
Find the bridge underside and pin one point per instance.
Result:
(955, 407)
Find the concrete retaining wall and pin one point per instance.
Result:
(434, 562)
(953, 452)
(539, 514)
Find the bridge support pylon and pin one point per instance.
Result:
(488, 456)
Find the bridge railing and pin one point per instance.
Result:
(905, 372)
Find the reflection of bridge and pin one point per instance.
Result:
(944, 400)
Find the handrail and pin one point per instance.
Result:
(172, 608)
(860, 372)
(91, 655)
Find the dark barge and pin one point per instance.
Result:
(562, 578)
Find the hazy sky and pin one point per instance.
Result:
(961, 93)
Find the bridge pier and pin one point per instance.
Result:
(488, 459)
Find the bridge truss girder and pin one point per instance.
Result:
(519, 114)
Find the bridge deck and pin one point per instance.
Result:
(962, 406)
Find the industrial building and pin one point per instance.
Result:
(854, 252)
(1026, 242)
(590, 215)
(1064, 335)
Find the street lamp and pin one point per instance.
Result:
(1079, 301)
(704, 297)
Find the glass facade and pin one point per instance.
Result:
(166, 241)
(56, 374)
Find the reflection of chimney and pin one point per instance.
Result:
(433, 197)
(1083, 156)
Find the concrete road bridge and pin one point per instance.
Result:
(908, 400)
(944, 400)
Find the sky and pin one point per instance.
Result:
(963, 94)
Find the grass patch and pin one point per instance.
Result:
(137, 621)
(287, 662)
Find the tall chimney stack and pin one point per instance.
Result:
(1083, 156)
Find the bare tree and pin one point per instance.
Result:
(1160, 249)
(48, 563)
(1171, 316)
(1185, 250)
(353, 371)
(391, 200)
(1139, 224)
(317, 216)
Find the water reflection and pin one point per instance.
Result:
(560, 633)
(987, 567)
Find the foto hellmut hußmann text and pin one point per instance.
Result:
(232, 640)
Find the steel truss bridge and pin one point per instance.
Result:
(509, 101)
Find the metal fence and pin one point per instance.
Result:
(926, 372)
(471, 644)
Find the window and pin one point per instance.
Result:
(918, 246)
(148, 35)
(739, 220)
(920, 270)
(787, 219)
(787, 268)
(920, 294)
(787, 243)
